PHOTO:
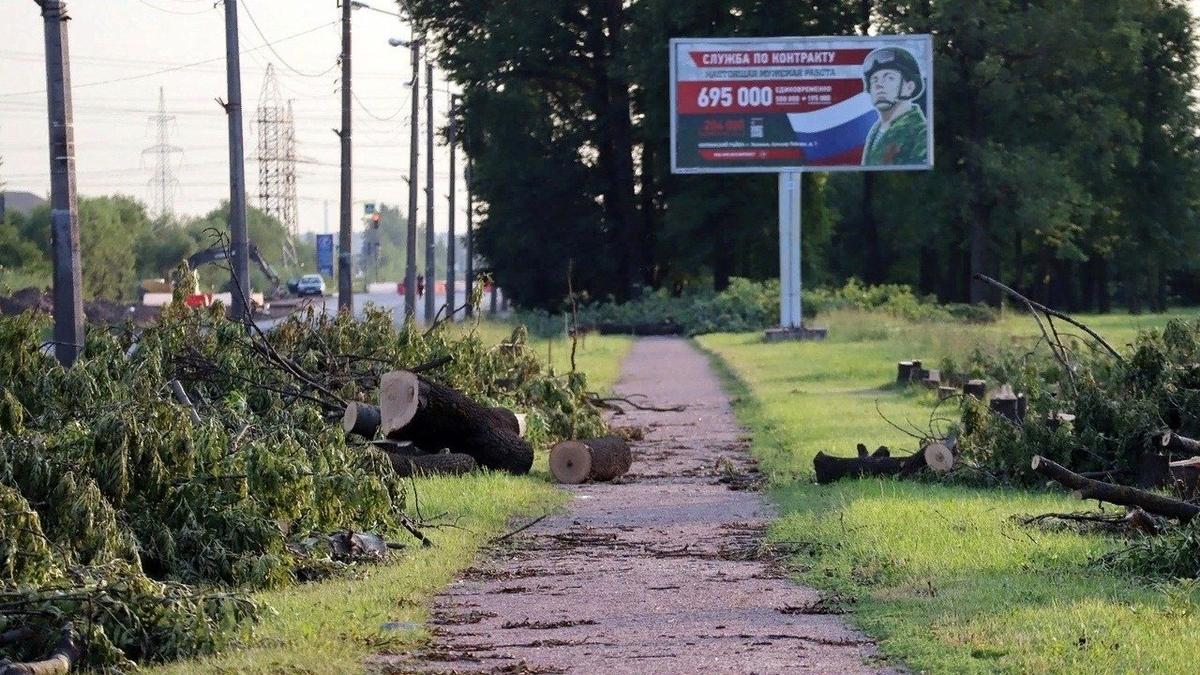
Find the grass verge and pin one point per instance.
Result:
(941, 575)
(330, 627)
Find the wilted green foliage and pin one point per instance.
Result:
(122, 515)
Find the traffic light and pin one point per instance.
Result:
(375, 218)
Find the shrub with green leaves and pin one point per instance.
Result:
(124, 516)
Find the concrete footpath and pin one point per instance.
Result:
(661, 572)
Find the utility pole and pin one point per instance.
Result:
(450, 270)
(64, 205)
(430, 248)
(345, 254)
(469, 284)
(410, 269)
(237, 167)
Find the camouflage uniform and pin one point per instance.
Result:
(905, 141)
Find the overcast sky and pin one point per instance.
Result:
(119, 50)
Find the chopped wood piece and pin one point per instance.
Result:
(946, 392)
(441, 464)
(593, 459)
(1153, 470)
(1008, 404)
(1177, 444)
(362, 419)
(1086, 488)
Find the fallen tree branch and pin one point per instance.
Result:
(606, 402)
(520, 529)
(1052, 312)
(65, 654)
(1087, 488)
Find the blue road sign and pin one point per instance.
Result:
(325, 254)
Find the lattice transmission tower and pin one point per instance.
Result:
(163, 184)
(277, 162)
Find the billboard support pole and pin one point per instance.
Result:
(791, 319)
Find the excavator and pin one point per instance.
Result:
(158, 287)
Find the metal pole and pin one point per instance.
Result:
(345, 229)
(451, 302)
(410, 269)
(64, 205)
(430, 248)
(789, 249)
(240, 259)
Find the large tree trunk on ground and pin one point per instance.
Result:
(1179, 445)
(593, 459)
(829, 468)
(433, 416)
(441, 464)
(65, 654)
(1086, 488)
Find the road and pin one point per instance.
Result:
(390, 301)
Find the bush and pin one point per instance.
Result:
(754, 305)
(125, 517)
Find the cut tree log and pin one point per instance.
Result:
(362, 419)
(440, 464)
(931, 379)
(65, 654)
(1087, 488)
(976, 388)
(592, 459)
(432, 415)
(946, 392)
(514, 422)
(941, 456)
(1153, 470)
(1177, 444)
(828, 468)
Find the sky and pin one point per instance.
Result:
(124, 51)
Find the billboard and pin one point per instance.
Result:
(759, 105)
(325, 254)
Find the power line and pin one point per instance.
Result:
(175, 11)
(169, 70)
(282, 60)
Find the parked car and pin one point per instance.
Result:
(311, 284)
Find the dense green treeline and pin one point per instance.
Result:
(120, 244)
(1065, 151)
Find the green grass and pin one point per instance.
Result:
(330, 627)
(943, 576)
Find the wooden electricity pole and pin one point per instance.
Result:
(64, 205)
(345, 231)
(240, 258)
(451, 282)
(430, 249)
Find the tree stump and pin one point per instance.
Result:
(946, 392)
(1008, 404)
(362, 419)
(931, 379)
(976, 388)
(1153, 470)
(593, 459)
(906, 372)
(432, 415)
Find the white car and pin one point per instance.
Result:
(311, 284)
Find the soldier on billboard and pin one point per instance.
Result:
(892, 78)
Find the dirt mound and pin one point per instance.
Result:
(100, 310)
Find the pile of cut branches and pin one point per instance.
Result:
(147, 488)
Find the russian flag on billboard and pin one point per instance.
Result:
(836, 134)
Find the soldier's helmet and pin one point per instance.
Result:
(893, 58)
